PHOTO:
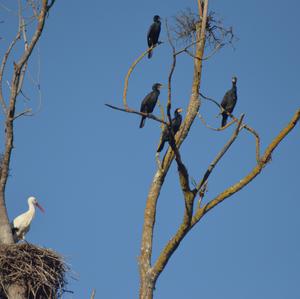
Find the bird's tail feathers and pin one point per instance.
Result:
(161, 146)
(150, 54)
(142, 123)
(224, 119)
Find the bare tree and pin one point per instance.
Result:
(31, 16)
(200, 31)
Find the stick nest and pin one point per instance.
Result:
(217, 34)
(42, 271)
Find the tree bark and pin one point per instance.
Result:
(147, 287)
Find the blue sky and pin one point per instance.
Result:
(91, 167)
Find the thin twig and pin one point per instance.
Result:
(34, 9)
(22, 27)
(215, 50)
(27, 112)
(212, 128)
(3, 64)
(169, 103)
(257, 141)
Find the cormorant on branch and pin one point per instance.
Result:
(153, 33)
(176, 122)
(149, 102)
(229, 101)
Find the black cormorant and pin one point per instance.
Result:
(149, 102)
(153, 33)
(176, 122)
(229, 101)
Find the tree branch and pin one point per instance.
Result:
(169, 103)
(130, 71)
(220, 155)
(245, 126)
(128, 110)
(3, 64)
(212, 128)
(252, 174)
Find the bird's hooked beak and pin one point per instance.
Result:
(40, 207)
(179, 110)
(160, 86)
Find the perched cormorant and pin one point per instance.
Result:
(229, 101)
(176, 122)
(153, 33)
(149, 102)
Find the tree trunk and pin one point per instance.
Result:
(5, 230)
(146, 288)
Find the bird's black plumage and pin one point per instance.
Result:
(176, 122)
(149, 102)
(229, 101)
(153, 33)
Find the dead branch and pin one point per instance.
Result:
(131, 70)
(3, 64)
(220, 155)
(27, 112)
(169, 103)
(245, 126)
(212, 128)
(23, 29)
(185, 24)
(128, 110)
(252, 174)
(257, 141)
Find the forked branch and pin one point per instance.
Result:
(252, 174)
(220, 155)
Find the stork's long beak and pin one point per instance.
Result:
(40, 207)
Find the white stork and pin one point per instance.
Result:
(21, 224)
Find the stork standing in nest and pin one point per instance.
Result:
(21, 224)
